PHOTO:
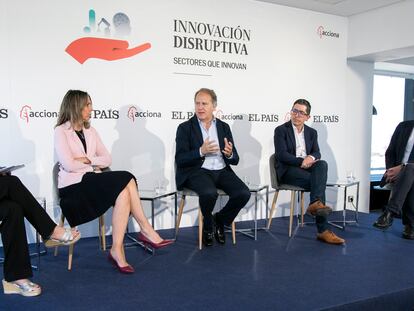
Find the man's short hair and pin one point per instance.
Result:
(303, 102)
(209, 92)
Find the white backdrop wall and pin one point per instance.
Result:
(357, 146)
(287, 54)
(379, 32)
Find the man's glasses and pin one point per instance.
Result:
(299, 112)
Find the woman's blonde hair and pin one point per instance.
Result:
(71, 108)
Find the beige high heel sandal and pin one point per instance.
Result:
(67, 239)
(27, 289)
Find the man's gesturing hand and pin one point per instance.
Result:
(392, 173)
(209, 147)
(228, 148)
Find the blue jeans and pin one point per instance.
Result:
(313, 180)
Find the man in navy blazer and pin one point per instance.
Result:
(399, 161)
(204, 152)
(298, 162)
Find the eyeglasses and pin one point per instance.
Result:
(299, 112)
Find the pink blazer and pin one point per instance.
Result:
(68, 147)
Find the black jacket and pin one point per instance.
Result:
(188, 142)
(285, 146)
(395, 151)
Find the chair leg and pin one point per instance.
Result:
(302, 206)
(273, 209)
(102, 236)
(200, 229)
(180, 213)
(292, 207)
(61, 222)
(70, 256)
(99, 233)
(233, 232)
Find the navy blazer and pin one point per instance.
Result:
(285, 146)
(395, 151)
(188, 142)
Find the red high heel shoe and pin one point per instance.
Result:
(147, 242)
(126, 270)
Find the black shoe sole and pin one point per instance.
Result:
(381, 226)
(220, 242)
(218, 224)
(408, 237)
(208, 242)
(324, 212)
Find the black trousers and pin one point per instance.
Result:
(402, 195)
(17, 203)
(205, 183)
(313, 179)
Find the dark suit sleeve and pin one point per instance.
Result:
(283, 155)
(234, 160)
(314, 150)
(185, 154)
(391, 152)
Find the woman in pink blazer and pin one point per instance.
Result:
(85, 191)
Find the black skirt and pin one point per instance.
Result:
(93, 196)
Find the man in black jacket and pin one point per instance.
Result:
(298, 163)
(399, 162)
(204, 152)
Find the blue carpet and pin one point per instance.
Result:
(373, 271)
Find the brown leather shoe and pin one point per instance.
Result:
(318, 208)
(329, 237)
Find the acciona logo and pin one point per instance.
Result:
(26, 113)
(326, 33)
(136, 113)
(227, 116)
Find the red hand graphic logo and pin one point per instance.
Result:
(24, 113)
(131, 113)
(108, 49)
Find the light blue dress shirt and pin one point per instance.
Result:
(213, 161)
